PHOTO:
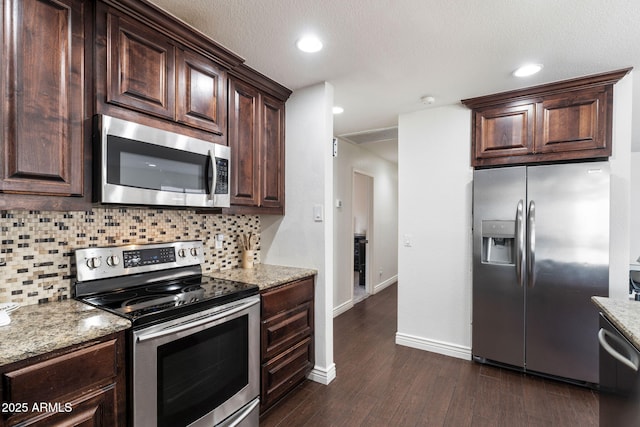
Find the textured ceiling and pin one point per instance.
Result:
(381, 56)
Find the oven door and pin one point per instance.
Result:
(199, 369)
(144, 165)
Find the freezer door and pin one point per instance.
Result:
(569, 244)
(498, 291)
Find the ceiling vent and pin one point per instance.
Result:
(376, 135)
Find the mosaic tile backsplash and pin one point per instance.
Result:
(37, 247)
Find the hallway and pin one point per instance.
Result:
(380, 383)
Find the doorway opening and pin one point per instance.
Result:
(362, 184)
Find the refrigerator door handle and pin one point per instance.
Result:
(520, 239)
(531, 244)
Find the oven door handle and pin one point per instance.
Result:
(238, 418)
(197, 322)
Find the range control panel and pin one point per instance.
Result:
(102, 263)
(140, 257)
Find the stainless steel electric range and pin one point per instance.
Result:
(194, 357)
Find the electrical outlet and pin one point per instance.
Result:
(219, 241)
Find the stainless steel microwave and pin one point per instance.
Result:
(141, 165)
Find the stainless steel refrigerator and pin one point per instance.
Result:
(540, 251)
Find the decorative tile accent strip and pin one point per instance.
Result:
(37, 247)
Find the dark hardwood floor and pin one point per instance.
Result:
(380, 383)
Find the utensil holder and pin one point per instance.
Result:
(246, 259)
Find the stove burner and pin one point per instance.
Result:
(192, 288)
(165, 287)
(115, 297)
(140, 300)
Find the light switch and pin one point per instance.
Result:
(407, 240)
(318, 214)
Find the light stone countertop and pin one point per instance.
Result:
(624, 314)
(41, 328)
(266, 276)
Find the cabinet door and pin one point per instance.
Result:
(82, 387)
(43, 108)
(504, 131)
(272, 153)
(95, 409)
(243, 142)
(574, 121)
(201, 93)
(140, 67)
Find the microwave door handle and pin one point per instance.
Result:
(213, 177)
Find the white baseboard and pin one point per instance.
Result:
(323, 375)
(448, 349)
(337, 311)
(380, 286)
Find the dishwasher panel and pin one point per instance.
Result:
(619, 378)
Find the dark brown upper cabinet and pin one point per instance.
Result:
(201, 92)
(256, 139)
(149, 67)
(140, 67)
(272, 153)
(43, 113)
(244, 113)
(568, 120)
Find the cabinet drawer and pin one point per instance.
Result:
(284, 372)
(70, 373)
(285, 329)
(286, 297)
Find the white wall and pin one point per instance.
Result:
(296, 239)
(383, 239)
(634, 235)
(620, 254)
(435, 180)
(361, 193)
(434, 272)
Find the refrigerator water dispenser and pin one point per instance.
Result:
(498, 242)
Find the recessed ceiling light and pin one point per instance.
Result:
(527, 70)
(338, 110)
(309, 44)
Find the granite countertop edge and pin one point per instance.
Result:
(623, 314)
(43, 328)
(265, 276)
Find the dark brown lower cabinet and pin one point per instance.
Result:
(81, 385)
(287, 339)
